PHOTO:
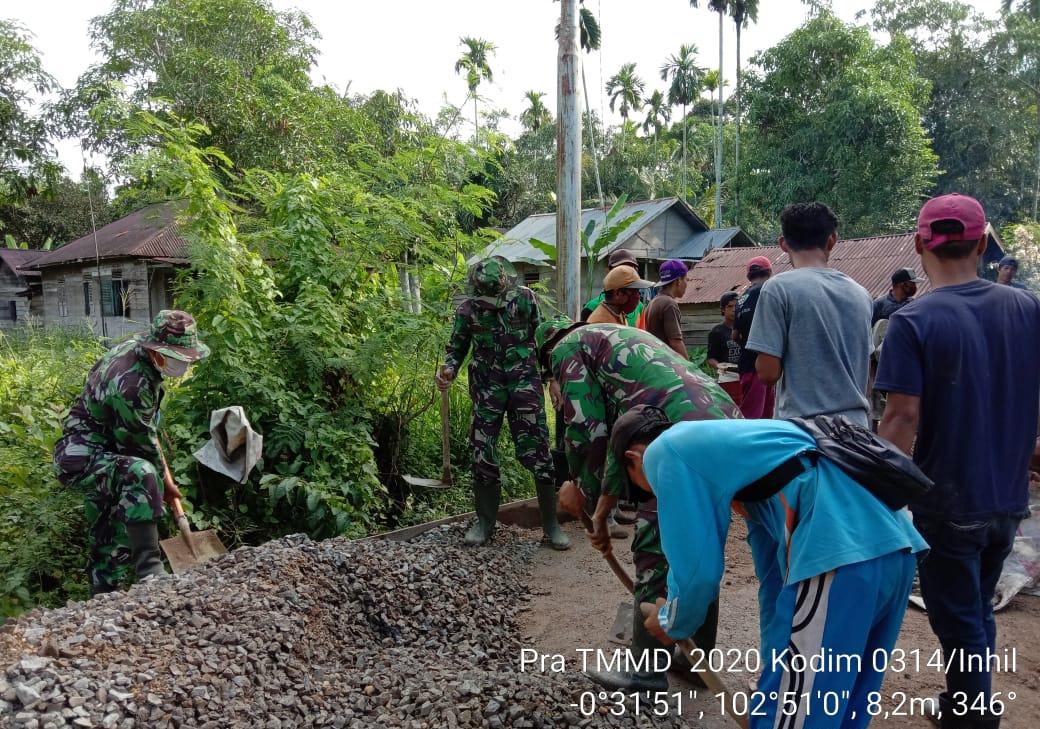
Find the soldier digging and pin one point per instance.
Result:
(110, 450)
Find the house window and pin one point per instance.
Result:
(531, 277)
(114, 299)
(86, 297)
(10, 311)
(63, 300)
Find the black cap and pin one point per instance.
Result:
(1008, 261)
(643, 423)
(905, 275)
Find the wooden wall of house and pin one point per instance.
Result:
(64, 296)
(663, 234)
(697, 321)
(10, 285)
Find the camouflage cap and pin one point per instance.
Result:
(549, 333)
(173, 335)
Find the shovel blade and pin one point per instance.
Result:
(621, 631)
(207, 546)
(426, 483)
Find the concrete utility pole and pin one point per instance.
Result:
(568, 164)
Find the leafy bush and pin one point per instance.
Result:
(42, 539)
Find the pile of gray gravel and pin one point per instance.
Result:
(297, 634)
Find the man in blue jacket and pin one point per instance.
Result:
(835, 565)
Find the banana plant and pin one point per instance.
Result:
(595, 239)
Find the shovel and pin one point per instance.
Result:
(445, 479)
(189, 549)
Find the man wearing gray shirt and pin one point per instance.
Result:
(812, 325)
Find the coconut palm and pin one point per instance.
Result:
(475, 61)
(627, 87)
(657, 115)
(720, 7)
(743, 13)
(686, 80)
(536, 114)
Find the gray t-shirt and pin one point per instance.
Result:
(817, 321)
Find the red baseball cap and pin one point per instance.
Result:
(965, 210)
(758, 264)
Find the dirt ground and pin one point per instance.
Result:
(574, 598)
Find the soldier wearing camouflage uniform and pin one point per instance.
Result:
(110, 449)
(498, 321)
(603, 371)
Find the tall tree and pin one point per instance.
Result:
(26, 163)
(627, 87)
(657, 115)
(837, 118)
(686, 80)
(720, 7)
(536, 115)
(1022, 33)
(476, 62)
(743, 12)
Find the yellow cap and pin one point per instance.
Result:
(624, 277)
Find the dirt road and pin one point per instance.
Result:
(574, 598)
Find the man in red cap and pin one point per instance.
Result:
(756, 397)
(952, 368)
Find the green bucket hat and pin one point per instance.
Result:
(549, 332)
(173, 335)
(492, 280)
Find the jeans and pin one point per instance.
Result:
(958, 577)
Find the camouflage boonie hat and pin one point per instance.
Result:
(173, 335)
(491, 279)
(549, 332)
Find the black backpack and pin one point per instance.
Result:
(866, 458)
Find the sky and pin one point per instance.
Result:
(413, 45)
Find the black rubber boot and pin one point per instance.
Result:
(485, 503)
(144, 547)
(639, 681)
(554, 536)
(950, 720)
(704, 639)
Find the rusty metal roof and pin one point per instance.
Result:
(869, 262)
(150, 232)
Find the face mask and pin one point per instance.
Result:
(171, 367)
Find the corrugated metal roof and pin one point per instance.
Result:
(867, 261)
(697, 245)
(16, 258)
(870, 262)
(514, 245)
(148, 233)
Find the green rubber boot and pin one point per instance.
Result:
(554, 536)
(645, 681)
(485, 503)
(144, 548)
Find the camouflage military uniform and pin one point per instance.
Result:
(604, 370)
(497, 321)
(110, 450)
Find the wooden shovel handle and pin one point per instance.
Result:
(711, 679)
(183, 525)
(446, 437)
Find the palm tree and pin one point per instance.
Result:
(475, 62)
(686, 78)
(720, 7)
(628, 87)
(657, 115)
(536, 115)
(743, 12)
